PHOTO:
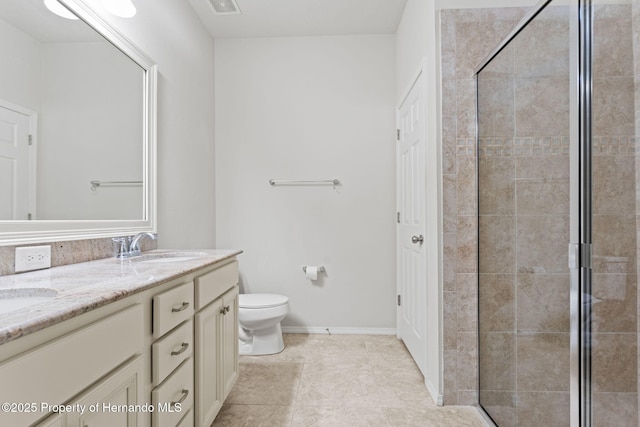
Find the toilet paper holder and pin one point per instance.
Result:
(321, 269)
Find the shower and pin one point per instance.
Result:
(558, 217)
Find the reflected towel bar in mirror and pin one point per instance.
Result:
(96, 184)
(303, 182)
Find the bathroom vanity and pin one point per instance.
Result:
(150, 340)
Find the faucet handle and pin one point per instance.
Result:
(121, 246)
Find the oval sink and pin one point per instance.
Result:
(168, 257)
(17, 298)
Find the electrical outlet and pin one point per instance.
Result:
(33, 258)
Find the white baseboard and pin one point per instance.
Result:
(437, 398)
(337, 331)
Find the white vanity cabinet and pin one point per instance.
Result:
(171, 348)
(216, 340)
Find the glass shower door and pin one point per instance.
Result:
(524, 125)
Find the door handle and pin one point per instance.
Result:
(418, 239)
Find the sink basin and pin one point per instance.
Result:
(17, 298)
(163, 257)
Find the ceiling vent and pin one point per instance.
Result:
(225, 7)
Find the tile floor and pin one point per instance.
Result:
(334, 381)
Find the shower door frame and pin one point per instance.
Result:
(580, 153)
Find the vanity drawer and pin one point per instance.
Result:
(171, 308)
(177, 389)
(211, 285)
(170, 351)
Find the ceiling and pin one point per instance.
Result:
(286, 18)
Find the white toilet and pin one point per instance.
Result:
(259, 317)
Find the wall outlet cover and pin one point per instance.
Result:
(32, 258)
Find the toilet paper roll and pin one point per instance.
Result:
(312, 272)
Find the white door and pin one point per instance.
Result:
(410, 158)
(15, 165)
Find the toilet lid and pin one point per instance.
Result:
(261, 300)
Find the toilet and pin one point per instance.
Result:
(259, 317)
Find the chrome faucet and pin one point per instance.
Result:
(129, 246)
(134, 246)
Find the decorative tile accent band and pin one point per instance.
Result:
(547, 146)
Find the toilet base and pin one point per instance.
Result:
(261, 342)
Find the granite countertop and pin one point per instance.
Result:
(86, 286)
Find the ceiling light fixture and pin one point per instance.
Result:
(59, 9)
(225, 7)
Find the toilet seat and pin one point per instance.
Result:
(254, 301)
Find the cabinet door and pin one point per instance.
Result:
(207, 332)
(229, 341)
(105, 403)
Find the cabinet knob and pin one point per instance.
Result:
(225, 310)
(183, 348)
(181, 308)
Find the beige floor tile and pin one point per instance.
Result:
(450, 416)
(266, 384)
(253, 416)
(321, 416)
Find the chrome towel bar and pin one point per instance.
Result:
(96, 184)
(302, 182)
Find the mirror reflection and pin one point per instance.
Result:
(71, 120)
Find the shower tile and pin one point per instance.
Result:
(501, 66)
(449, 164)
(612, 47)
(467, 302)
(467, 367)
(450, 377)
(497, 359)
(542, 196)
(542, 362)
(543, 409)
(467, 245)
(497, 234)
(253, 415)
(500, 405)
(616, 303)
(615, 409)
(497, 185)
(466, 186)
(543, 301)
(450, 320)
(614, 362)
(450, 203)
(476, 40)
(542, 48)
(542, 106)
(542, 243)
(466, 108)
(448, 97)
(614, 180)
(548, 167)
(497, 302)
(614, 242)
(449, 261)
(613, 106)
(496, 115)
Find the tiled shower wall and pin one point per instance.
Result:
(467, 37)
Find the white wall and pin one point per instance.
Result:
(310, 108)
(416, 47)
(173, 36)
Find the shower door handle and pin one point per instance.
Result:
(418, 239)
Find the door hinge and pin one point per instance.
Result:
(30, 139)
(398, 217)
(580, 255)
(397, 134)
(399, 301)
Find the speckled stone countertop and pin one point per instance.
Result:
(86, 286)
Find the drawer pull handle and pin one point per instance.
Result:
(185, 393)
(183, 348)
(181, 308)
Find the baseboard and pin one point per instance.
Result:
(337, 331)
(437, 398)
